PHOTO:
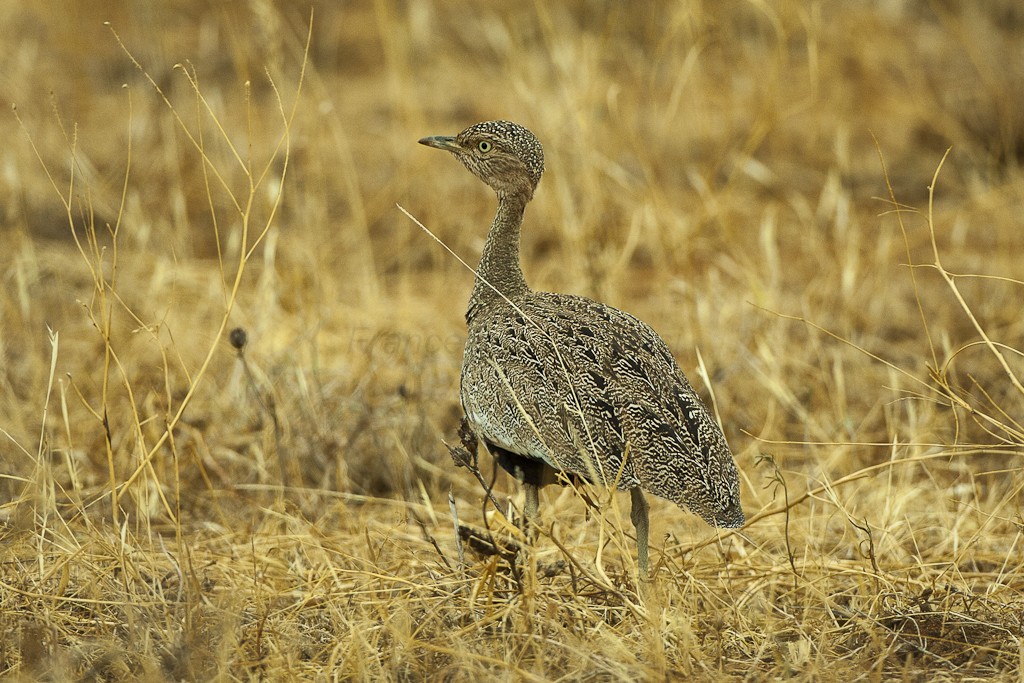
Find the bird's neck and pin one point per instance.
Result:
(499, 275)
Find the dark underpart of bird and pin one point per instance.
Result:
(556, 382)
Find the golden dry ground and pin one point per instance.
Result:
(763, 182)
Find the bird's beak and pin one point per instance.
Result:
(445, 142)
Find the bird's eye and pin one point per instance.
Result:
(484, 146)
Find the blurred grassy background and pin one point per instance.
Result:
(714, 168)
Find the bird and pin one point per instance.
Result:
(562, 384)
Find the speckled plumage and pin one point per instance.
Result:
(563, 382)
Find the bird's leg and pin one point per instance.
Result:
(638, 515)
(531, 507)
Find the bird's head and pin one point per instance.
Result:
(714, 492)
(503, 154)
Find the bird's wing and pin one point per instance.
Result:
(570, 381)
(576, 383)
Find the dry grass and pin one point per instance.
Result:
(174, 509)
